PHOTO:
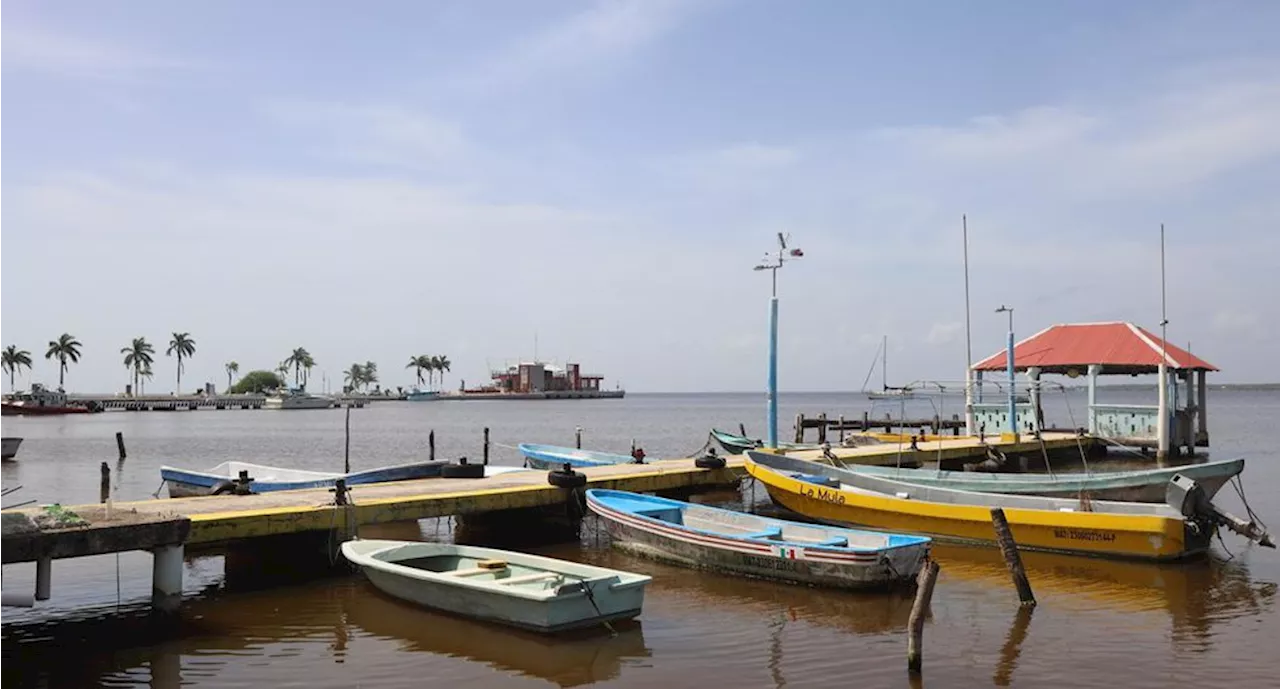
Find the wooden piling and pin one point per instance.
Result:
(346, 447)
(486, 445)
(955, 425)
(866, 422)
(431, 446)
(577, 437)
(742, 429)
(105, 491)
(842, 429)
(799, 428)
(120, 445)
(1009, 548)
(915, 624)
(888, 422)
(822, 429)
(937, 425)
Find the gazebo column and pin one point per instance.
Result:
(1202, 410)
(1189, 428)
(970, 425)
(1094, 370)
(1033, 374)
(1162, 413)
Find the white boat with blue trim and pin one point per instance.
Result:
(222, 478)
(706, 537)
(531, 592)
(551, 457)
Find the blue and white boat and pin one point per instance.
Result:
(551, 457)
(221, 478)
(706, 537)
(420, 395)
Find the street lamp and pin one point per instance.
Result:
(1013, 404)
(772, 262)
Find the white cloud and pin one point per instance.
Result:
(373, 133)
(586, 41)
(40, 49)
(944, 333)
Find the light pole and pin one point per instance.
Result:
(772, 262)
(1013, 403)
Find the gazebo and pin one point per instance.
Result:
(1094, 349)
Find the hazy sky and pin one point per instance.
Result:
(376, 180)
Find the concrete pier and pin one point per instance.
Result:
(166, 578)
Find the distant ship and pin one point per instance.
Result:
(537, 380)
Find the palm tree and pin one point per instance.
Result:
(145, 375)
(354, 376)
(183, 346)
(421, 363)
(137, 358)
(65, 348)
(370, 373)
(442, 365)
(283, 369)
(300, 359)
(232, 369)
(15, 359)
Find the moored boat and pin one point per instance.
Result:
(1093, 527)
(552, 457)
(221, 478)
(41, 401)
(1143, 485)
(420, 395)
(297, 399)
(737, 444)
(537, 593)
(706, 537)
(9, 447)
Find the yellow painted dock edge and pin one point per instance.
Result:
(236, 525)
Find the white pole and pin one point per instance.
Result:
(970, 425)
(1162, 424)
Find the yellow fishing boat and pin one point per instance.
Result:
(1100, 528)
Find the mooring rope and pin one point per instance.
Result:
(591, 596)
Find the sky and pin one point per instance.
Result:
(470, 178)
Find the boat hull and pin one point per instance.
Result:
(1154, 536)
(185, 483)
(552, 457)
(614, 595)
(7, 409)
(9, 447)
(786, 561)
(1126, 486)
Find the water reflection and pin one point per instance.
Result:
(568, 660)
(1196, 595)
(1012, 647)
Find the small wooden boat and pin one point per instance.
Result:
(221, 478)
(710, 538)
(737, 444)
(1115, 529)
(541, 594)
(9, 447)
(1145, 485)
(551, 457)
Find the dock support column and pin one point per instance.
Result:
(166, 578)
(1013, 384)
(44, 578)
(1162, 414)
(1202, 410)
(1094, 370)
(772, 427)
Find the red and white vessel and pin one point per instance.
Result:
(41, 401)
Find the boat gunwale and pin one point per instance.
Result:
(916, 541)
(625, 580)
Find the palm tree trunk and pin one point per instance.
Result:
(62, 371)
(179, 388)
(11, 388)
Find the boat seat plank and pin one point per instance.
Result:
(771, 532)
(473, 571)
(528, 578)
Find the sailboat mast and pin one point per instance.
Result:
(884, 363)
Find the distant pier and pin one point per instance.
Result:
(196, 402)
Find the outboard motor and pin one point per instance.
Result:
(1186, 496)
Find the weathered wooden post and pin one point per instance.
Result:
(799, 428)
(888, 422)
(841, 431)
(346, 448)
(486, 445)
(866, 421)
(822, 428)
(742, 429)
(955, 424)
(937, 425)
(1012, 560)
(105, 490)
(431, 445)
(577, 437)
(915, 624)
(120, 445)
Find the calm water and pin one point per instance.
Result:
(1213, 622)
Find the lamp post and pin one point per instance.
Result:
(772, 262)
(1013, 402)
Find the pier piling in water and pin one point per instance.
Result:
(915, 624)
(1009, 548)
(120, 445)
(105, 490)
(486, 445)
(577, 437)
(431, 446)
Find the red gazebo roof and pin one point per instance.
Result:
(1119, 347)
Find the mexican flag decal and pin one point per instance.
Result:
(788, 553)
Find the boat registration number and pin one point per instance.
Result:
(823, 494)
(1084, 535)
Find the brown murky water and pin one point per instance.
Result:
(1212, 622)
